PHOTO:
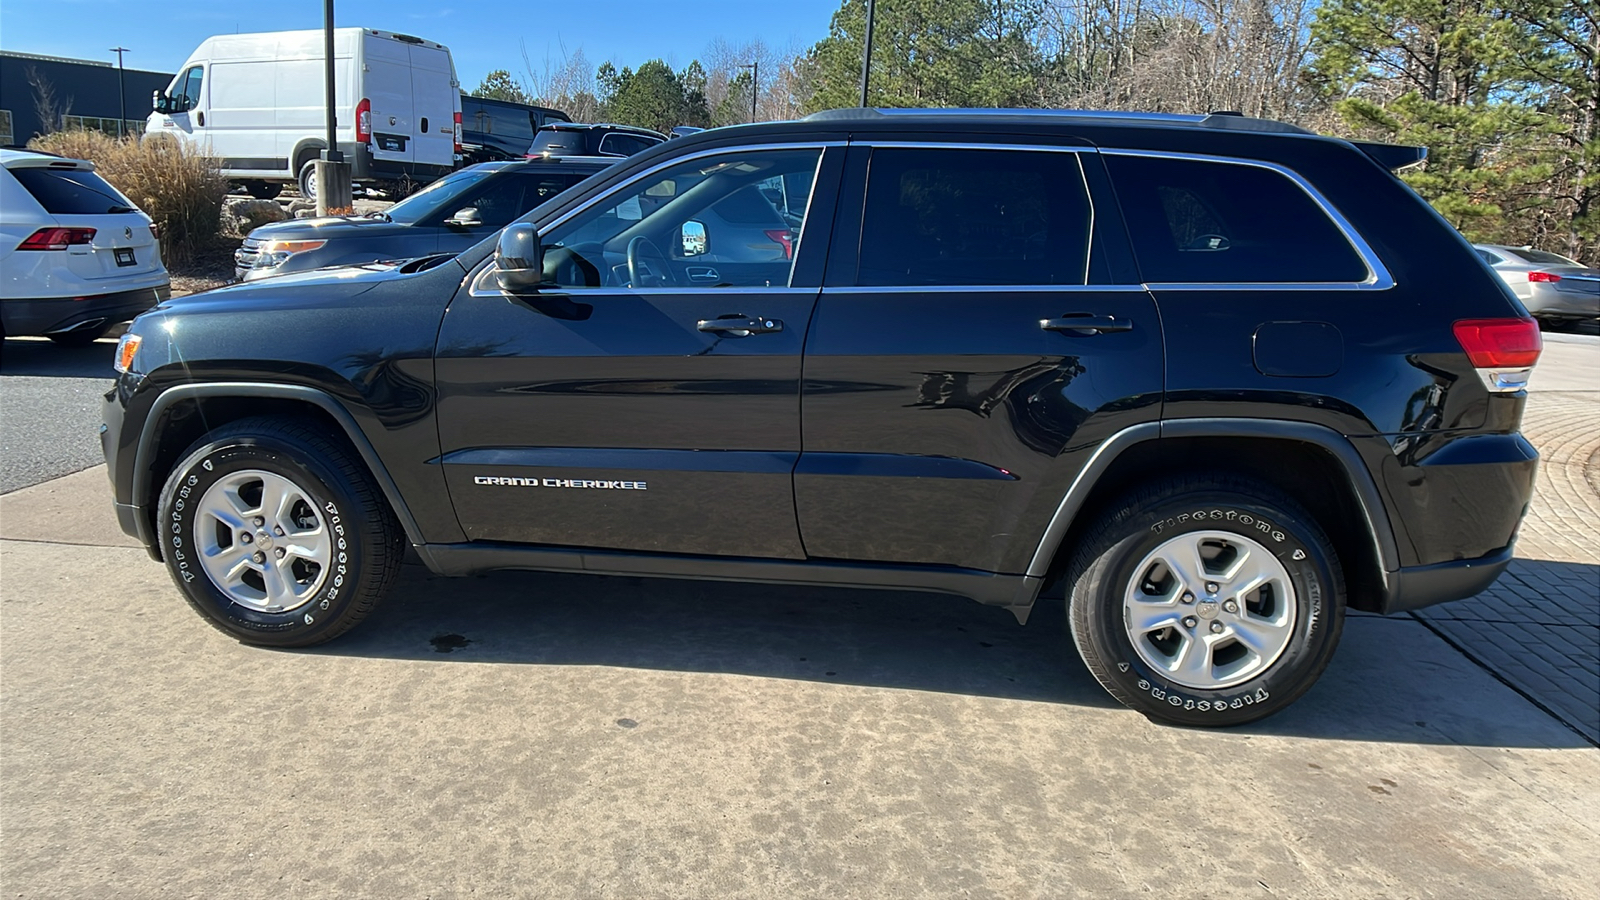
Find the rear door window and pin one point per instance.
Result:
(72, 192)
(974, 217)
(1213, 222)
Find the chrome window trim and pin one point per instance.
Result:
(1088, 196)
(1378, 277)
(479, 287)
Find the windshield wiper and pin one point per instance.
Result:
(117, 210)
(378, 215)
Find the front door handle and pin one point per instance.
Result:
(739, 326)
(1086, 323)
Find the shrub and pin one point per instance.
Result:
(179, 188)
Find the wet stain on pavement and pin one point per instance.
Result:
(445, 643)
(627, 723)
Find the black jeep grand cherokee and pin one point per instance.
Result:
(1223, 377)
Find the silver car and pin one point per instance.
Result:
(1552, 287)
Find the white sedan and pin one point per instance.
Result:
(76, 257)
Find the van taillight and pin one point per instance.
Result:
(57, 238)
(458, 133)
(364, 121)
(1545, 277)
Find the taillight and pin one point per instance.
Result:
(57, 238)
(782, 236)
(364, 121)
(1543, 277)
(155, 231)
(1502, 350)
(458, 133)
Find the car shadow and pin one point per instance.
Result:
(1391, 681)
(40, 357)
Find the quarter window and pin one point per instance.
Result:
(1202, 222)
(974, 217)
(704, 223)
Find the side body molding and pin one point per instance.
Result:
(1360, 478)
(148, 437)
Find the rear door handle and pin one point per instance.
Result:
(739, 326)
(1086, 323)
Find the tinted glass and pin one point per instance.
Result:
(1223, 223)
(438, 195)
(558, 142)
(1488, 257)
(699, 223)
(72, 192)
(974, 217)
(1544, 258)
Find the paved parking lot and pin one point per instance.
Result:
(525, 734)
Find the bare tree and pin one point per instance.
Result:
(52, 111)
(566, 82)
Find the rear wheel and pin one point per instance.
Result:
(276, 534)
(1206, 601)
(308, 180)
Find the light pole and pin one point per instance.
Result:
(122, 93)
(755, 85)
(866, 52)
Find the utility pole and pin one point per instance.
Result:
(122, 93)
(331, 175)
(866, 52)
(755, 85)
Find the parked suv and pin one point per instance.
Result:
(499, 129)
(76, 256)
(448, 215)
(577, 139)
(1222, 378)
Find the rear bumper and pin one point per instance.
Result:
(1415, 587)
(59, 315)
(363, 167)
(1550, 301)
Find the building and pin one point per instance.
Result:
(85, 95)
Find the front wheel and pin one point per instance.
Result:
(276, 534)
(1206, 601)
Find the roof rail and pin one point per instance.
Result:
(1230, 121)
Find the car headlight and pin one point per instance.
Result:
(274, 253)
(127, 349)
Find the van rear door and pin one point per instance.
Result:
(388, 90)
(437, 100)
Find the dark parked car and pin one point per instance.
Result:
(1220, 377)
(447, 216)
(575, 139)
(498, 129)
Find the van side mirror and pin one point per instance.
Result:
(519, 259)
(160, 103)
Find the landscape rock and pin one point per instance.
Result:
(241, 216)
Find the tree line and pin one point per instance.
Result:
(1505, 94)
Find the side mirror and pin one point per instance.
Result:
(465, 218)
(693, 239)
(519, 259)
(159, 103)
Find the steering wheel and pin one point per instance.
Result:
(638, 272)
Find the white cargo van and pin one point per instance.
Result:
(257, 101)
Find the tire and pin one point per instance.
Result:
(308, 179)
(263, 190)
(1134, 626)
(83, 337)
(330, 509)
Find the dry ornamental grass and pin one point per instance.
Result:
(180, 189)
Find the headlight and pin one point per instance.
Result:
(127, 349)
(273, 253)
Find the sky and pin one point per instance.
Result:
(482, 36)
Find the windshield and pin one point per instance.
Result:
(1541, 258)
(433, 198)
